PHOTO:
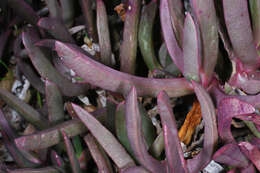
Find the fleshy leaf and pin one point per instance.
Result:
(128, 48)
(231, 155)
(31, 75)
(174, 153)
(177, 18)
(22, 158)
(254, 100)
(50, 137)
(157, 147)
(228, 109)
(86, 6)
(109, 143)
(74, 163)
(239, 30)
(5, 126)
(35, 170)
(252, 153)
(135, 135)
(191, 50)
(21, 8)
(255, 16)
(145, 33)
(57, 160)
(54, 8)
(98, 155)
(103, 34)
(121, 132)
(68, 11)
(99, 75)
(28, 112)
(54, 103)
(45, 68)
(56, 28)
(243, 81)
(135, 169)
(169, 37)
(207, 20)
(210, 130)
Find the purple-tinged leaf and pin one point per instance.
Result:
(207, 20)
(168, 35)
(17, 45)
(104, 77)
(135, 169)
(57, 160)
(231, 155)
(255, 16)
(167, 63)
(98, 155)
(54, 8)
(228, 109)
(177, 18)
(47, 138)
(239, 30)
(61, 68)
(74, 163)
(5, 126)
(21, 8)
(121, 131)
(128, 48)
(56, 28)
(255, 141)
(174, 153)
(243, 81)
(23, 159)
(135, 135)
(31, 75)
(234, 170)
(254, 75)
(28, 112)
(35, 170)
(191, 50)
(145, 35)
(226, 41)
(86, 6)
(210, 130)
(103, 34)
(54, 103)
(3, 40)
(68, 10)
(223, 34)
(106, 139)
(249, 169)
(251, 152)
(46, 69)
(218, 95)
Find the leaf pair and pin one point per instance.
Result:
(195, 53)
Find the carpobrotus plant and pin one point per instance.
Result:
(95, 73)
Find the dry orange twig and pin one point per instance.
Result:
(193, 119)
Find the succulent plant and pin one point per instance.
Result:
(192, 50)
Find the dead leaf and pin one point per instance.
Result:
(120, 9)
(90, 108)
(7, 82)
(193, 119)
